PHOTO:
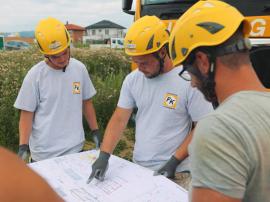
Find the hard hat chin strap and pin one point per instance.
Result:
(209, 84)
(161, 62)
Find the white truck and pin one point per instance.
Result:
(117, 43)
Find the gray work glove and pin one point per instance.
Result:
(96, 135)
(168, 169)
(24, 152)
(99, 167)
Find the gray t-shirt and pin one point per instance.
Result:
(230, 150)
(56, 98)
(167, 106)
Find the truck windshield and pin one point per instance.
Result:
(151, 2)
(165, 9)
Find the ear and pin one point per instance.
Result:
(202, 62)
(162, 52)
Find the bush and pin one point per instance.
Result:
(103, 63)
(13, 67)
(107, 69)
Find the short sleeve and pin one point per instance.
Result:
(88, 89)
(197, 106)
(126, 99)
(28, 97)
(218, 159)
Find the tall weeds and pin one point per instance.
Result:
(107, 69)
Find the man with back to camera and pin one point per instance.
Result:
(230, 149)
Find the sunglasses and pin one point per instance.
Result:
(184, 74)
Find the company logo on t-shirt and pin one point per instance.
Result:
(76, 88)
(170, 100)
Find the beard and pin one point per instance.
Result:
(206, 85)
(155, 74)
(207, 88)
(151, 76)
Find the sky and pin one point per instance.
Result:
(23, 15)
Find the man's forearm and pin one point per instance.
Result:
(111, 138)
(25, 126)
(182, 151)
(115, 129)
(90, 114)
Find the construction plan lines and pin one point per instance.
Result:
(124, 181)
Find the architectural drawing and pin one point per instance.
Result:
(124, 181)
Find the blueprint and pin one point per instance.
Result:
(124, 181)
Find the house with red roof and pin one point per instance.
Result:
(76, 32)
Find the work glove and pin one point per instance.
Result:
(24, 152)
(99, 167)
(96, 135)
(169, 168)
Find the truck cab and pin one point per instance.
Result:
(257, 12)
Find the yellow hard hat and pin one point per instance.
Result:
(52, 36)
(147, 35)
(206, 23)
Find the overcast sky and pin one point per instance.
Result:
(23, 15)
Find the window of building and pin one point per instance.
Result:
(93, 32)
(107, 31)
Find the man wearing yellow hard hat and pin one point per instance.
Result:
(54, 95)
(230, 148)
(167, 105)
